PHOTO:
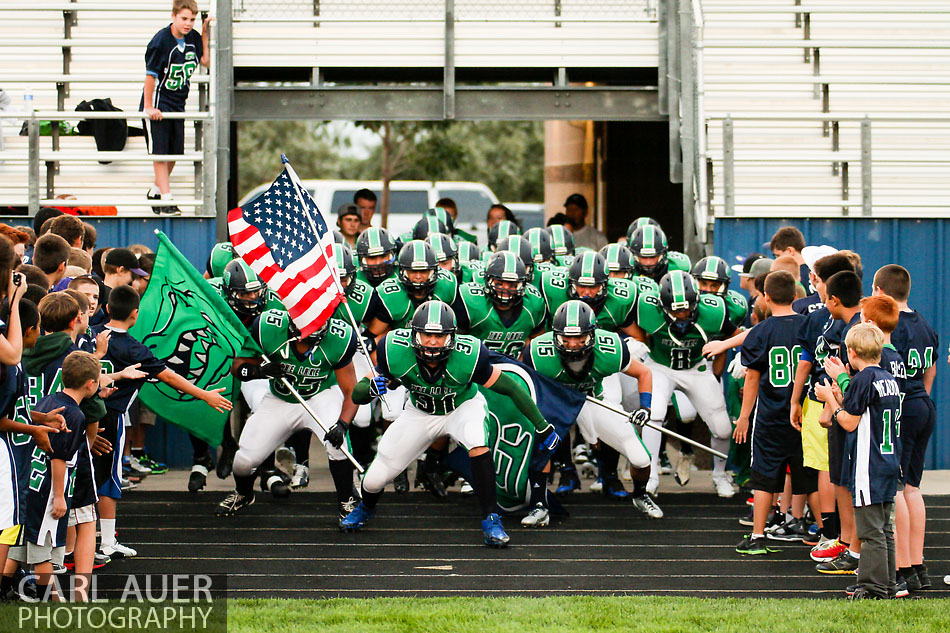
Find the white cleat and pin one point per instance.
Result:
(301, 477)
(684, 468)
(537, 518)
(723, 486)
(646, 505)
(653, 487)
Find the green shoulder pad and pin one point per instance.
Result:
(446, 286)
(712, 314)
(678, 261)
(737, 306)
(273, 330)
(650, 316)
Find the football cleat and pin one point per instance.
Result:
(684, 468)
(493, 531)
(157, 468)
(355, 520)
(597, 485)
(844, 564)
(429, 481)
(827, 550)
(568, 482)
(587, 470)
(286, 458)
(199, 473)
(347, 506)
(645, 504)
(232, 503)
(537, 518)
(401, 482)
(301, 477)
(723, 486)
(581, 454)
(277, 483)
(653, 487)
(118, 550)
(754, 546)
(613, 489)
(466, 489)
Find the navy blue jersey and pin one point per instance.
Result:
(892, 363)
(772, 349)
(172, 62)
(17, 447)
(871, 459)
(807, 305)
(916, 341)
(819, 337)
(843, 348)
(125, 350)
(38, 522)
(804, 271)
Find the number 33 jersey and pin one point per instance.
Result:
(685, 351)
(478, 316)
(311, 372)
(466, 367)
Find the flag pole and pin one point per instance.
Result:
(656, 427)
(294, 179)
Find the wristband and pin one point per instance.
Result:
(834, 416)
(646, 400)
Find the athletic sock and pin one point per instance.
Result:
(919, 568)
(906, 571)
(361, 441)
(562, 455)
(639, 488)
(42, 592)
(244, 484)
(758, 536)
(199, 449)
(609, 458)
(6, 584)
(853, 553)
(828, 529)
(483, 481)
(267, 464)
(137, 452)
(370, 499)
(539, 486)
(167, 196)
(107, 528)
(341, 470)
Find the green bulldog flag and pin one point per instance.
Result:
(186, 323)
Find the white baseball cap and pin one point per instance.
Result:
(812, 254)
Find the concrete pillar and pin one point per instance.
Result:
(569, 165)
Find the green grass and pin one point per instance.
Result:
(583, 613)
(578, 614)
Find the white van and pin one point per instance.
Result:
(409, 199)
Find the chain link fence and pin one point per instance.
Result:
(465, 10)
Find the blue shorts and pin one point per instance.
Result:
(108, 467)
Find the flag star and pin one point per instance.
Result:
(268, 232)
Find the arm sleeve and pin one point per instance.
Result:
(625, 357)
(141, 354)
(506, 386)
(361, 392)
(154, 58)
(728, 327)
(382, 365)
(844, 381)
(483, 368)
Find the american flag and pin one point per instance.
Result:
(284, 238)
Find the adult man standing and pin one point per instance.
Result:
(575, 207)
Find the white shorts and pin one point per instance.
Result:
(8, 501)
(413, 431)
(702, 389)
(85, 514)
(275, 420)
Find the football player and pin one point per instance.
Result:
(562, 243)
(446, 253)
(579, 354)
(377, 254)
(651, 255)
(441, 369)
(320, 369)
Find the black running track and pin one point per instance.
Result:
(418, 546)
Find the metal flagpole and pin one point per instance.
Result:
(303, 403)
(681, 438)
(294, 179)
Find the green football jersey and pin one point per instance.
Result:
(358, 297)
(564, 261)
(361, 276)
(676, 260)
(308, 373)
(683, 352)
(617, 311)
(271, 302)
(398, 306)
(610, 356)
(473, 271)
(456, 384)
(737, 306)
(486, 324)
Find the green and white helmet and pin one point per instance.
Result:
(376, 242)
(428, 224)
(501, 231)
(648, 241)
(445, 251)
(540, 241)
(678, 291)
(713, 269)
(445, 218)
(619, 260)
(238, 279)
(562, 241)
(468, 252)
(505, 266)
(346, 265)
(588, 270)
(636, 224)
(433, 317)
(520, 246)
(417, 255)
(221, 254)
(574, 318)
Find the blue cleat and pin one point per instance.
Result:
(356, 519)
(613, 489)
(494, 531)
(568, 483)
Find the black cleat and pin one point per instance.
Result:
(430, 481)
(199, 473)
(277, 483)
(401, 482)
(233, 503)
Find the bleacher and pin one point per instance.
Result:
(796, 83)
(67, 52)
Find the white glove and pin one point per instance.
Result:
(736, 368)
(638, 349)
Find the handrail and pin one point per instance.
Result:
(103, 202)
(830, 117)
(33, 79)
(890, 8)
(58, 115)
(375, 18)
(830, 43)
(902, 80)
(84, 6)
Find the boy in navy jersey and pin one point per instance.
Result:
(869, 414)
(770, 354)
(171, 57)
(52, 474)
(125, 351)
(917, 343)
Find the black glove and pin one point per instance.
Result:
(370, 341)
(336, 435)
(640, 417)
(250, 371)
(549, 439)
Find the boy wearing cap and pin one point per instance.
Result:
(575, 208)
(119, 266)
(811, 254)
(348, 220)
